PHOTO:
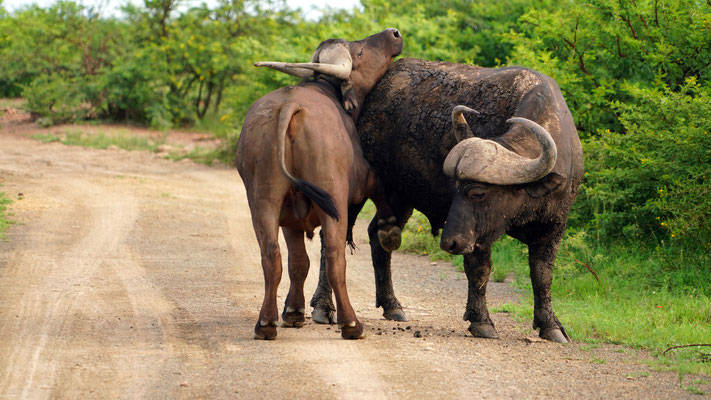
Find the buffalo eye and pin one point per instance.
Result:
(360, 53)
(475, 192)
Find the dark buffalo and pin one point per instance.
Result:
(301, 164)
(498, 180)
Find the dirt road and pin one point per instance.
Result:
(130, 276)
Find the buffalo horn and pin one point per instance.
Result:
(484, 160)
(461, 128)
(334, 60)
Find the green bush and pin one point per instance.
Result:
(655, 179)
(54, 99)
(594, 48)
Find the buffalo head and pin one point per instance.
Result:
(357, 65)
(495, 186)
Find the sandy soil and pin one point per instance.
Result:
(131, 276)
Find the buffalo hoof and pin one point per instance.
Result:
(323, 316)
(389, 234)
(395, 314)
(291, 318)
(265, 330)
(483, 330)
(554, 335)
(352, 330)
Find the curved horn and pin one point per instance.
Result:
(549, 152)
(487, 161)
(461, 127)
(334, 60)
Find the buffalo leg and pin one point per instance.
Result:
(293, 314)
(384, 291)
(541, 258)
(389, 232)
(334, 236)
(477, 266)
(324, 310)
(266, 227)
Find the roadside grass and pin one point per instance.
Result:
(198, 154)
(4, 221)
(12, 102)
(102, 140)
(127, 141)
(645, 296)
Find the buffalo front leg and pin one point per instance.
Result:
(334, 235)
(389, 231)
(477, 266)
(541, 258)
(293, 314)
(384, 291)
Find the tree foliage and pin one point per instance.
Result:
(635, 74)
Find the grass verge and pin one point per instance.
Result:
(130, 142)
(102, 141)
(4, 221)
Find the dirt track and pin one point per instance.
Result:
(131, 276)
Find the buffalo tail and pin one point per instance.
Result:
(313, 192)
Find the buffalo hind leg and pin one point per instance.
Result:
(324, 310)
(477, 266)
(541, 258)
(293, 314)
(384, 291)
(266, 227)
(334, 237)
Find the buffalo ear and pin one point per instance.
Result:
(545, 186)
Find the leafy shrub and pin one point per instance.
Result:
(593, 48)
(654, 180)
(56, 99)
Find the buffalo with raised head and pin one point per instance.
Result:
(514, 169)
(300, 160)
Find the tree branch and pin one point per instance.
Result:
(685, 345)
(586, 265)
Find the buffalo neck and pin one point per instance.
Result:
(332, 87)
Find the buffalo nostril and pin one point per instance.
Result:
(453, 247)
(396, 33)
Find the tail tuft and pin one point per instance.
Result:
(319, 196)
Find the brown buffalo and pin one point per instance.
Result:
(302, 166)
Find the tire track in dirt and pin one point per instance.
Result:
(61, 289)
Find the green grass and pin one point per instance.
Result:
(46, 137)
(648, 296)
(199, 155)
(102, 141)
(4, 221)
(12, 103)
(131, 142)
